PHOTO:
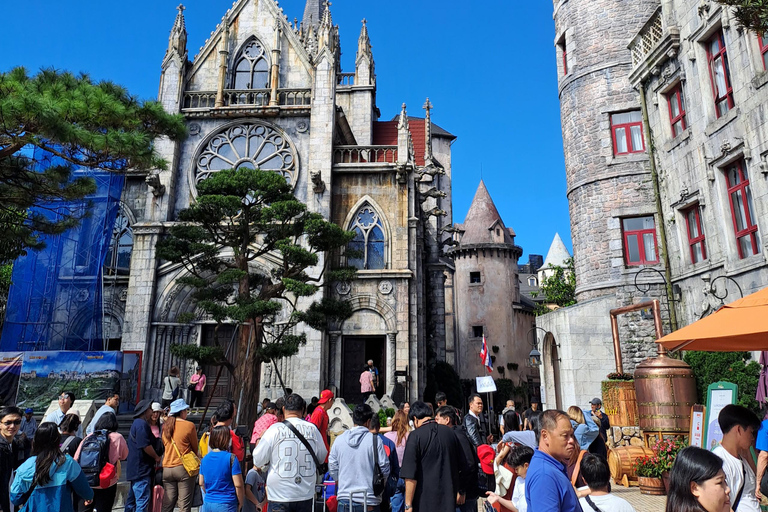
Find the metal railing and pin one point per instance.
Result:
(365, 155)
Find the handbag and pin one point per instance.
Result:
(108, 475)
(189, 460)
(192, 386)
(320, 467)
(379, 480)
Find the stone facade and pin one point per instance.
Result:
(265, 92)
(489, 300)
(630, 58)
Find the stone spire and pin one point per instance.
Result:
(313, 13)
(557, 255)
(428, 132)
(364, 67)
(364, 43)
(177, 42)
(483, 220)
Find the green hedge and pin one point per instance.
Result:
(735, 367)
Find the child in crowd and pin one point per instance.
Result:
(595, 471)
(519, 458)
(255, 492)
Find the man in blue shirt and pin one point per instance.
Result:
(140, 466)
(112, 405)
(547, 487)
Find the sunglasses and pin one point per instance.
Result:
(12, 422)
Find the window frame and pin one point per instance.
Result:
(711, 58)
(751, 229)
(482, 331)
(627, 134)
(676, 95)
(377, 222)
(762, 41)
(472, 276)
(565, 56)
(625, 234)
(252, 63)
(701, 238)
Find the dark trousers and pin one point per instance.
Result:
(197, 399)
(103, 500)
(291, 506)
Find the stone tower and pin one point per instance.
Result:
(488, 295)
(609, 184)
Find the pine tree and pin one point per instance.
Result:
(246, 215)
(77, 123)
(752, 14)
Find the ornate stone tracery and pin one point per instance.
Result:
(369, 242)
(251, 144)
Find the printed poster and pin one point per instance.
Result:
(10, 371)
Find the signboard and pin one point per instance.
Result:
(719, 395)
(485, 384)
(696, 434)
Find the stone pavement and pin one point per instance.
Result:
(641, 502)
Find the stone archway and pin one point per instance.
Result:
(551, 369)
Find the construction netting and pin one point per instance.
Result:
(55, 300)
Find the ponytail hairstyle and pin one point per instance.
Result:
(45, 446)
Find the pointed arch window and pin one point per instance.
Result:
(118, 260)
(251, 70)
(368, 246)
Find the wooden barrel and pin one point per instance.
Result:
(620, 403)
(620, 461)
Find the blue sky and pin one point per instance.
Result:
(488, 68)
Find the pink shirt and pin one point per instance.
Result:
(366, 382)
(118, 450)
(199, 381)
(261, 426)
(400, 448)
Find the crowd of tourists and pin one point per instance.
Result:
(428, 458)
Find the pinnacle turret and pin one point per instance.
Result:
(177, 42)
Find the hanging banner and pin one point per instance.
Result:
(10, 370)
(89, 375)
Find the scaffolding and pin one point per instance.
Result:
(56, 296)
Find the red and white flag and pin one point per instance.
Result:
(485, 356)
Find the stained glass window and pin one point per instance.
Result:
(367, 249)
(118, 260)
(254, 145)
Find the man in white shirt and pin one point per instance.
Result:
(66, 399)
(112, 404)
(292, 471)
(595, 472)
(739, 426)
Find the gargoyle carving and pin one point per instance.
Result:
(153, 181)
(433, 192)
(436, 212)
(318, 185)
(432, 171)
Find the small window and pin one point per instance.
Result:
(564, 50)
(627, 132)
(720, 74)
(477, 331)
(742, 210)
(676, 102)
(474, 277)
(763, 40)
(640, 241)
(696, 240)
(531, 281)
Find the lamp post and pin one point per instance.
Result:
(534, 358)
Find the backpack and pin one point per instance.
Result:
(94, 455)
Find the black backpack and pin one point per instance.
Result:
(94, 455)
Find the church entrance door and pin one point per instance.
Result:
(222, 337)
(356, 351)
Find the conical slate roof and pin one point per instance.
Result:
(558, 253)
(482, 219)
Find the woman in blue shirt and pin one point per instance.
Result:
(585, 431)
(220, 477)
(49, 474)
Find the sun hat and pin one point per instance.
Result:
(178, 405)
(325, 396)
(486, 454)
(142, 407)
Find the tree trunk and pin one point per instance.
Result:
(248, 372)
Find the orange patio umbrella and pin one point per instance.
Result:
(741, 325)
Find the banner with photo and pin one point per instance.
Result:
(89, 375)
(10, 370)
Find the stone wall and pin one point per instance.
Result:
(625, 436)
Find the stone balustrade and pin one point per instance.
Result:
(346, 78)
(365, 155)
(198, 100)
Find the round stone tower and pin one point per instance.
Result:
(487, 291)
(608, 175)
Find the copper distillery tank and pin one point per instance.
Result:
(666, 390)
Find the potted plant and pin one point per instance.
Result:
(649, 470)
(667, 450)
(619, 399)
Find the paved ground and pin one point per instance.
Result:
(641, 502)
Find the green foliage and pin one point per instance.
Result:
(507, 390)
(202, 355)
(735, 367)
(382, 417)
(752, 14)
(620, 376)
(85, 124)
(558, 289)
(443, 377)
(390, 412)
(6, 271)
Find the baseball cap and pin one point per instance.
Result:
(28, 410)
(325, 396)
(596, 401)
(156, 407)
(486, 454)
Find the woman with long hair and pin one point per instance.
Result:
(697, 483)
(179, 438)
(46, 480)
(511, 422)
(104, 497)
(399, 433)
(584, 430)
(220, 476)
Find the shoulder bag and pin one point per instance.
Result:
(577, 469)
(189, 460)
(735, 503)
(25, 497)
(592, 504)
(320, 467)
(379, 480)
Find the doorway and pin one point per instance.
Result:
(356, 351)
(555, 361)
(211, 336)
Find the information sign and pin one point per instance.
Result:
(719, 395)
(485, 384)
(696, 434)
